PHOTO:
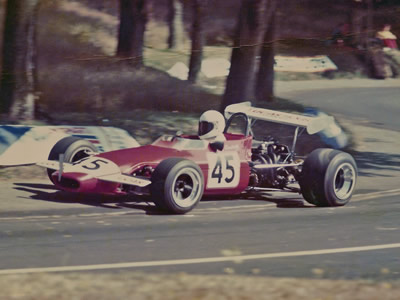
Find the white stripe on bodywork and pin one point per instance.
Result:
(125, 179)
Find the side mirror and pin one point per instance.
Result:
(215, 146)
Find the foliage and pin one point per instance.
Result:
(77, 71)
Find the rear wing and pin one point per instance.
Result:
(312, 124)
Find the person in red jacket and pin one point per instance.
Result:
(387, 37)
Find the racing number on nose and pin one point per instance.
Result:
(224, 170)
(94, 164)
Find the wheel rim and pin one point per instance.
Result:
(344, 180)
(186, 187)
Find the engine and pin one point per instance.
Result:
(265, 173)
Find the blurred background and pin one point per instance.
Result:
(102, 62)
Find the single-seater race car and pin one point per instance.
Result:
(177, 170)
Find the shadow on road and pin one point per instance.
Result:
(377, 163)
(47, 192)
(281, 202)
(287, 202)
(96, 200)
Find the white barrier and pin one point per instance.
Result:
(210, 67)
(219, 67)
(22, 145)
(179, 70)
(215, 67)
(307, 64)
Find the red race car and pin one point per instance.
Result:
(176, 171)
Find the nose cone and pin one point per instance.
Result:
(83, 183)
(82, 176)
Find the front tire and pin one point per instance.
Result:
(73, 148)
(177, 185)
(328, 177)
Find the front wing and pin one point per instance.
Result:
(116, 177)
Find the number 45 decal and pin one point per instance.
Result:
(223, 170)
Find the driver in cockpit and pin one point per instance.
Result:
(211, 129)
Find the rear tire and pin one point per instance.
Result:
(328, 177)
(73, 148)
(177, 185)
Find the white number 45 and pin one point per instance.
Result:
(223, 170)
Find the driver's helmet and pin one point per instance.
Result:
(211, 125)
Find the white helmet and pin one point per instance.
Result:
(211, 125)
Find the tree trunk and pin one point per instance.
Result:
(357, 22)
(18, 79)
(132, 26)
(369, 23)
(2, 21)
(175, 24)
(240, 82)
(198, 39)
(265, 76)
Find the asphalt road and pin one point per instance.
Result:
(378, 103)
(272, 235)
(380, 106)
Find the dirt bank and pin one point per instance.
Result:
(182, 286)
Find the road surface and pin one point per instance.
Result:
(272, 235)
(278, 235)
(373, 101)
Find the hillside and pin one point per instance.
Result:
(77, 40)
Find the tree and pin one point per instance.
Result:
(2, 16)
(18, 77)
(240, 82)
(369, 25)
(175, 24)
(198, 38)
(132, 26)
(360, 21)
(265, 75)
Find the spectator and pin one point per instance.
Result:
(389, 65)
(387, 37)
(340, 34)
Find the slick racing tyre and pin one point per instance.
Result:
(73, 149)
(328, 177)
(177, 185)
